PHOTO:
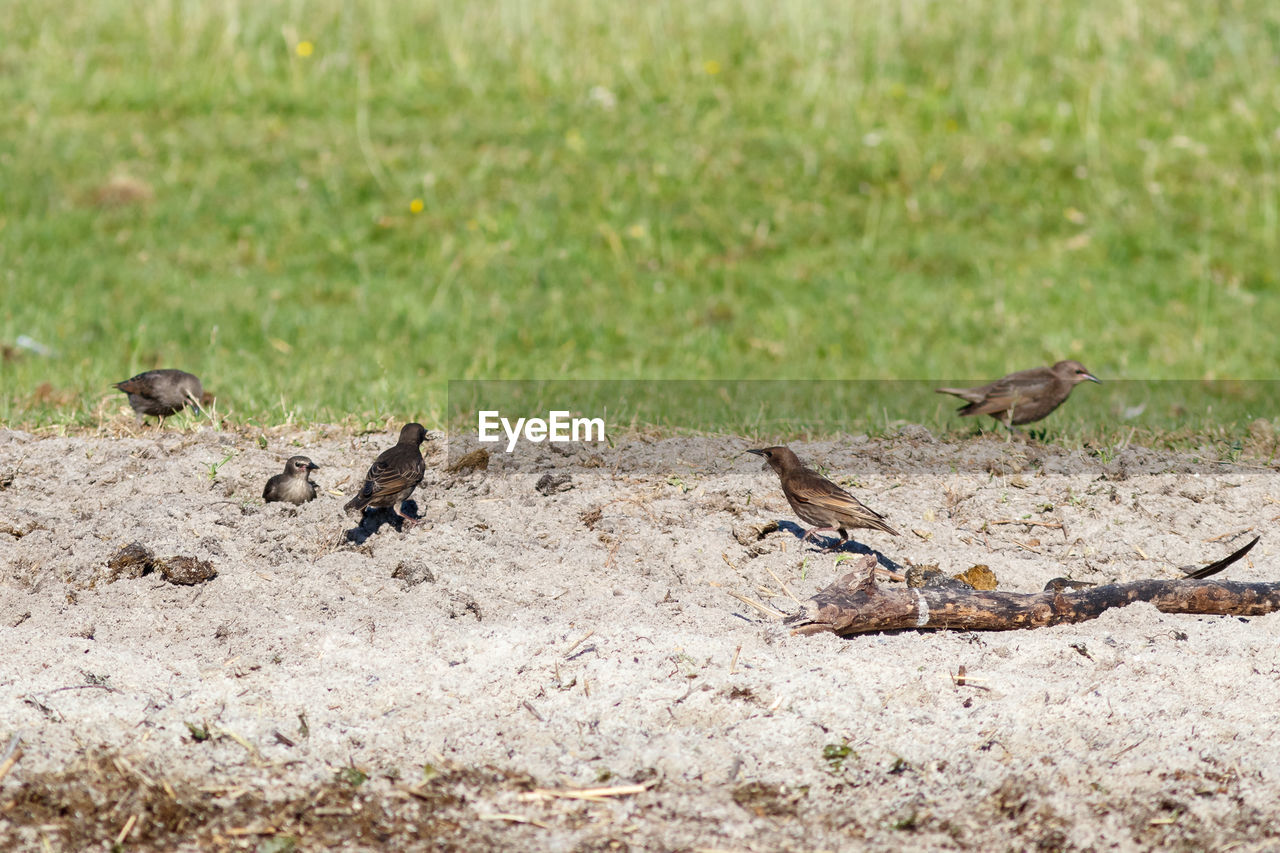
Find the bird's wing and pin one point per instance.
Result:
(819, 491)
(972, 395)
(1006, 393)
(390, 474)
(140, 384)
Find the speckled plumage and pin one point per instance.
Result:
(817, 500)
(394, 475)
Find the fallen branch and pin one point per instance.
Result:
(855, 604)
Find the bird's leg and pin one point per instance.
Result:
(843, 537)
(1012, 430)
(814, 530)
(408, 521)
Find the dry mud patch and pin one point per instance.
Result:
(371, 688)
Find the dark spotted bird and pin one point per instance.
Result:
(294, 485)
(817, 500)
(162, 392)
(1026, 396)
(394, 475)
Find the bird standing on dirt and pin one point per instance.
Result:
(1025, 396)
(294, 485)
(162, 392)
(394, 475)
(819, 501)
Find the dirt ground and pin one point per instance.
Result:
(450, 686)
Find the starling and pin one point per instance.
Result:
(1025, 396)
(817, 500)
(294, 485)
(162, 392)
(394, 475)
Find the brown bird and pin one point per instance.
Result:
(162, 392)
(394, 475)
(819, 501)
(294, 485)
(1025, 396)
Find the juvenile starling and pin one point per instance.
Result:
(1025, 396)
(394, 475)
(162, 392)
(817, 500)
(294, 485)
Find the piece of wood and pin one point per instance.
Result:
(855, 604)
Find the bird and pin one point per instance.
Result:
(817, 500)
(294, 485)
(1023, 397)
(162, 392)
(394, 475)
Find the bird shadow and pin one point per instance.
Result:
(372, 521)
(848, 547)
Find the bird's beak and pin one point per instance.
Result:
(1092, 378)
(757, 452)
(311, 466)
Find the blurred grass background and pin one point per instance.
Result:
(328, 209)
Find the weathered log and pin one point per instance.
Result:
(855, 604)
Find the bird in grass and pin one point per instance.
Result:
(817, 500)
(394, 475)
(1026, 396)
(162, 392)
(294, 485)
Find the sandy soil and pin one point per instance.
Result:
(523, 640)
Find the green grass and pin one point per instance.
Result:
(1230, 421)
(784, 189)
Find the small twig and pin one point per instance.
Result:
(589, 794)
(579, 642)
(1056, 525)
(106, 687)
(733, 665)
(12, 756)
(768, 611)
(124, 833)
(1135, 745)
(534, 711)
(240, 739)
(782, 584)
(513, 818)
(1222, 536)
